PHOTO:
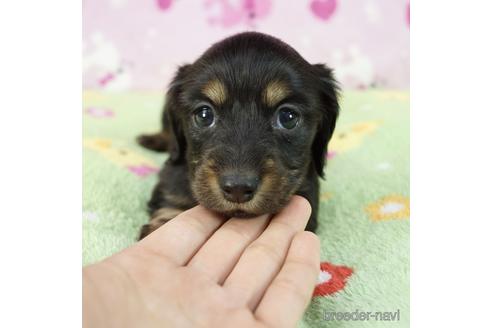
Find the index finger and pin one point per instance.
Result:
(179, 239)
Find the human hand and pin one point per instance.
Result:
(199, 271)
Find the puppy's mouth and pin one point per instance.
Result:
(250, 209)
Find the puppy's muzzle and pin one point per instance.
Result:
(239, 188)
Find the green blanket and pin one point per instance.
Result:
(364, 209)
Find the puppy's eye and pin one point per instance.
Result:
(203, 116)
(287, 118)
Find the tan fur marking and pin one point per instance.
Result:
(269, 164)
(275, 92)
(215, 90)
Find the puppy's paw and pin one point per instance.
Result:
(158, 218)
(156, 142)
(150, 227)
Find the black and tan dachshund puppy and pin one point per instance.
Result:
(246, 127)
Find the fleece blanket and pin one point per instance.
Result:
(364, 209)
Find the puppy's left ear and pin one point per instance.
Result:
(328, 91)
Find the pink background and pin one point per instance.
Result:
(137, 44)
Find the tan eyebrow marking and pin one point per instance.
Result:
(275, 92)
(215, 90)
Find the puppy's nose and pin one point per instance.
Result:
(239, 188)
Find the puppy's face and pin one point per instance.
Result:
(251, 117)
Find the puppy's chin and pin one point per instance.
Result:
(251, 209)
(236, 210)
(240, 214)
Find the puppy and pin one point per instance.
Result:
(246, 127)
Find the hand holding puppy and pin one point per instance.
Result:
(198, 270)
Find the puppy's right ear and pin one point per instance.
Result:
(171, 138)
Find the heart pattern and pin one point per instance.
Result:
(332, 278)
(164, 4)
(107, 47)
(324, 9)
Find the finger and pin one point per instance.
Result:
(261, 261)
(179, 239)
(221, 252)
(288, 296)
